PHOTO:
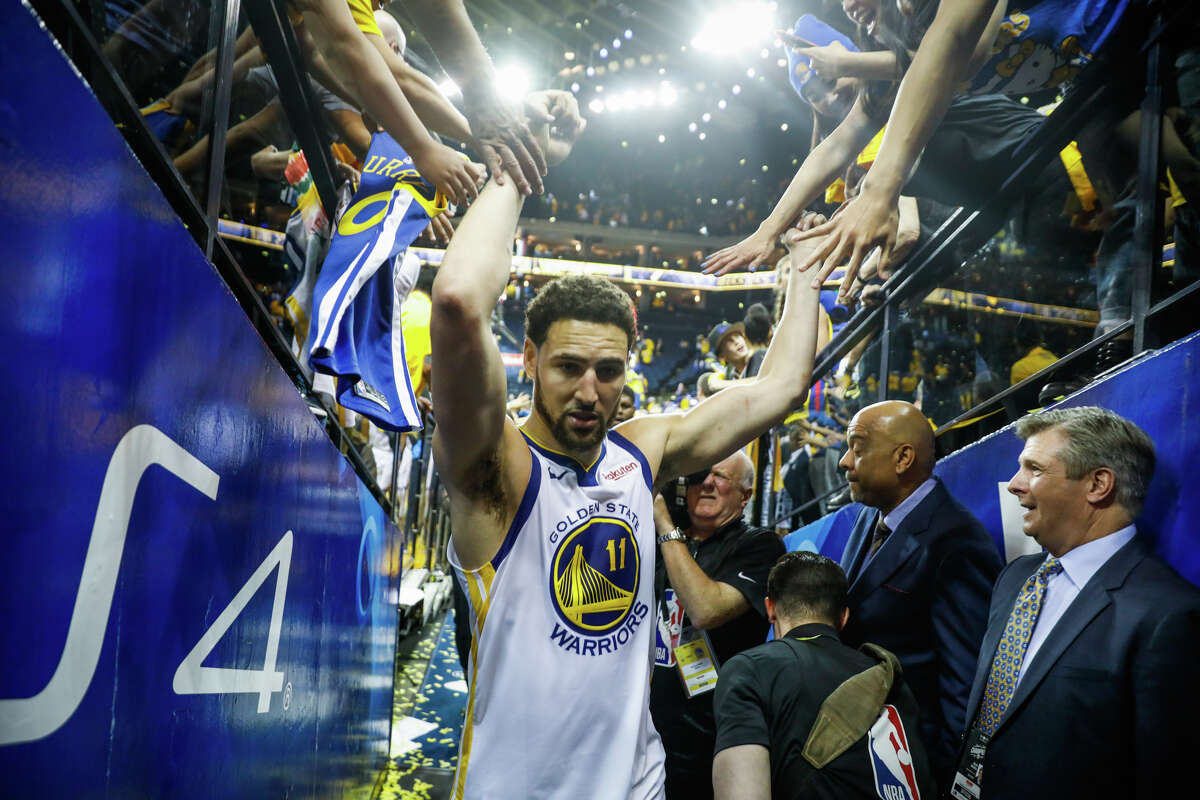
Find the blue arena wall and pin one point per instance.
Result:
(1161, 393)
(196, 599)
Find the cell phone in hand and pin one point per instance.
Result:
(816, 33)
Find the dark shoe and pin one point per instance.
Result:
(1112, 354)
(1053, 392)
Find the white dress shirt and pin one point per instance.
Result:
(1079, 565)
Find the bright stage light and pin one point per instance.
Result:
(513, 81)
(597, 105)
(736, 27)
(667, 95)
(691, 127)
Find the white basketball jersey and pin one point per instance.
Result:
(562, 629)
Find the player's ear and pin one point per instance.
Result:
(530, 358)
(770, 606)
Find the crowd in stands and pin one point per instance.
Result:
(672, 196)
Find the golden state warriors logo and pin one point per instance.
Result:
(594, 580)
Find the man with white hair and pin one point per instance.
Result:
(710, 582)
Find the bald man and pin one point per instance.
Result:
(921, 569)
(710, 585)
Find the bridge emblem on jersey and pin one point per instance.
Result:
(594, 579)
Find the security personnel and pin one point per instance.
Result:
(804, 716)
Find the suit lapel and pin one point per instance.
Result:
(1091, 600)
(901, 544)
(891, 556)
(856, 545)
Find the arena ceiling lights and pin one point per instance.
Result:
(735, 28)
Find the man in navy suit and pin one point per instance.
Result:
(1087, 682)
(921, 569)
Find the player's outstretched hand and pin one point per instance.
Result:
(868, 221)
(505, 141)
(753, 251)
(555, 118)
(458, 178)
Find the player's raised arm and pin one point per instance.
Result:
(712, 430)
(468, 376)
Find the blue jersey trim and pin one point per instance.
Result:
(523, 511)
(584, 476)
(632, 448)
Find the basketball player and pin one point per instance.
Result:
(553, 524)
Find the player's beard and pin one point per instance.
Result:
(569, 440)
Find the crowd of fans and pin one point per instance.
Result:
(664, 195)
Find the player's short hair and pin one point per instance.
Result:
(806, 585)
(1095, 438)
(587, 298)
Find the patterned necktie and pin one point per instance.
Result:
(1006, 665)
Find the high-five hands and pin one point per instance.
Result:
(866, 222)
(556, 123)
(503, 138)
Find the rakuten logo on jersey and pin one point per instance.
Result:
(620, 472)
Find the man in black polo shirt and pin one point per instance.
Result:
(805, 717)
(710, 583)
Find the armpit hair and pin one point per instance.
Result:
(482, 484)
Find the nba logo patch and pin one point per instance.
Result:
(670, 625)
(891, 760)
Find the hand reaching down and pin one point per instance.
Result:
(504, 140)
(556, 123)
(450, 172)
(867, 222)
(753, 251)
(440, 228)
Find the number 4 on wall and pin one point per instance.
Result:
(193, 678)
